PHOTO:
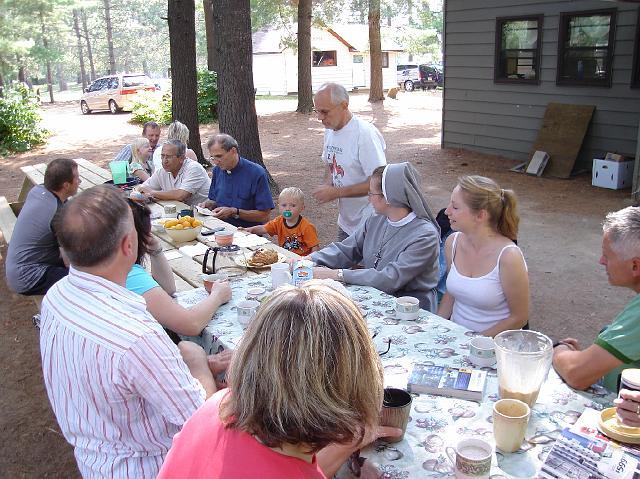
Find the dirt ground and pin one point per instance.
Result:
(560, 236)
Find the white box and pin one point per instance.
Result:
(614, 175)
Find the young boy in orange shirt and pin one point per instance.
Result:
(295, 233)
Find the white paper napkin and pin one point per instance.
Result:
(249, 240)
(193, 250)
(172, 254)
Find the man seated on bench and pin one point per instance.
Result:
(34, 261)
(179, 179)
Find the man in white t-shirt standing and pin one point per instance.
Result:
(352, 149)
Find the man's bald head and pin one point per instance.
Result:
(91, 226)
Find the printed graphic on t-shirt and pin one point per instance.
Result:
(292, 243)
(337, 171)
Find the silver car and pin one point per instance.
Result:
(115, 92)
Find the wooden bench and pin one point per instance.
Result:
(8, 217)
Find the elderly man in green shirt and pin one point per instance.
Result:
(618, 346)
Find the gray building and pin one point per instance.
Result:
(505, 60)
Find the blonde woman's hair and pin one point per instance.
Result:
(306, 371)
(135, 146)
(292, 192)
(483, 193)
(178, 131)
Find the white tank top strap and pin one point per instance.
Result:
(502, 251)
(453, 246)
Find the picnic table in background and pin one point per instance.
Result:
(187, 269)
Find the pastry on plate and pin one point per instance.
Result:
(263, 257)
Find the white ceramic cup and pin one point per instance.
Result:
(482, 351)
(510, 419)
(280, 275)
(256, 293)
(471, 458)
(407, 308)
(170, 210)
(246, 311)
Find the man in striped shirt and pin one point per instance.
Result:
(118, 386)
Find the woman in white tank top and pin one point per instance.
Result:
(487, 284)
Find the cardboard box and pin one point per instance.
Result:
(612, 174)
(614, 157)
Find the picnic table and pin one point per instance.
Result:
(436, 421)
(187, 269)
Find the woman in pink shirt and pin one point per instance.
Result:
(305, 391)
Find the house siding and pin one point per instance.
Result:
(504, 119)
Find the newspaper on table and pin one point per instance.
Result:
(583, 452)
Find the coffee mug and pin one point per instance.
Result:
(510, 419)
(280, 275)
(246, 311)
(471, 458)
(169, 210)
(224, 237)
(482, 351)
(208, 279)
(408, 308)
(185, 213)
(396, 407)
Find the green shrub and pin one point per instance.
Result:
(19, 122)
(152, 107)
(207, 96)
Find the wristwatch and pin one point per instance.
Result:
(340, 275)
(237, 215)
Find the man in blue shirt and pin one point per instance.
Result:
(239, 192)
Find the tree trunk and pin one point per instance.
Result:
(305, 93)
(88, 40)
(207, 5)
(21, 71)
(145, 68)
(62, 83)
(237, 102)
(107, 18)
(375, 52)
(184, 84)
(45, 44)
(76, 28)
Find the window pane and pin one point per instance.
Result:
(385, 59)
(520, 34)
(325, 59)
(584, 51)
(518, 54)
(585, 64)
(589, 31)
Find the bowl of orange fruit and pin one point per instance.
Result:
(183, 229)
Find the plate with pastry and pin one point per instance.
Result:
(261, 258)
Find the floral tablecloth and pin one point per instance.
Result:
(436, 421)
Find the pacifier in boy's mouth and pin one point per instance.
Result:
(287, 214)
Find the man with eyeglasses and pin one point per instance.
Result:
(352, 149)
(179, 179)
(239, 192)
